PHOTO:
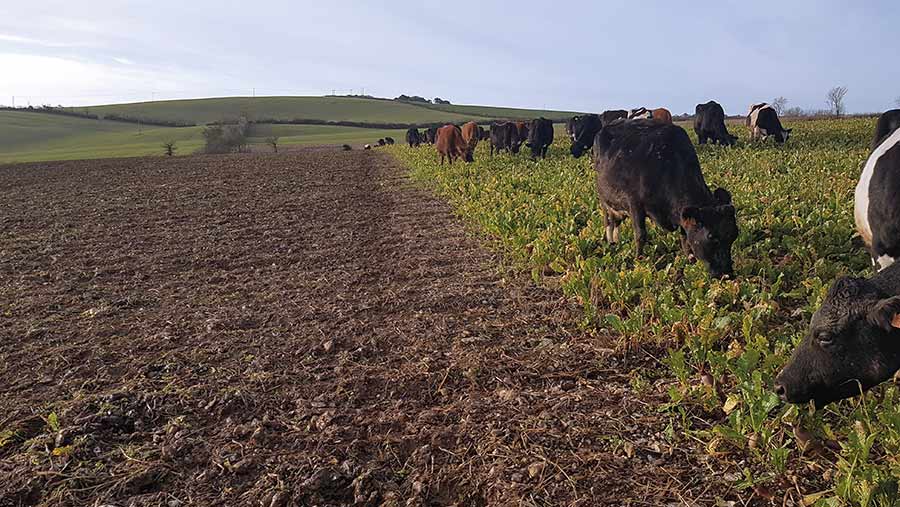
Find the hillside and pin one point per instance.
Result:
(202, 111)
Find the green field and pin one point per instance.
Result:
(795, 213)
(201, 111)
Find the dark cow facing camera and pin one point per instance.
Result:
(431, 135)
(853, 342)
(764, 123)
(583, 133)
(649, 169)
(504, 137)
(540, 137)
(709, 124)
(570, 126)
(413, 138)
(876, 208)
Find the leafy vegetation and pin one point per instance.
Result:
(726, 339)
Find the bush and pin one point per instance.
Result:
(226, 138)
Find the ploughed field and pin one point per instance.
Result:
(723, 340)
(310, 328)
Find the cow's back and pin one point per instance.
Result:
(888, 122)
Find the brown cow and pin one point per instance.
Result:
(662, 115)
(450, 144)
(471, 135)
(522, 129)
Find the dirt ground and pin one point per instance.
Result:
(301, 329)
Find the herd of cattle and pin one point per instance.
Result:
(647, 167)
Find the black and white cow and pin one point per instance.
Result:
(650, 169)
(583, 133)
(853, 342)
(540, 137)
(570, 126)
(709, 124)
(413, 138)
(887, 124)
(641, 113)
(877, 199)
(764, 123)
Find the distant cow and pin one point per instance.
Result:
(570, 126)
(853, 342)
(347, 147)
(470, 135)
(522, 130)
(389, 140)
(648, 169)
(583, 134)
(431, 135)
(540, 137)
(367, 147)
(381, 142)
(641, 113)
(662, 115)
(887, 124)
(612, 115)
(450, 144)
(413, 138)
(504, 137)
(764, 123)
(877, 199)
(709, 124)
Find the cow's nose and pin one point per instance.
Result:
(779, 390)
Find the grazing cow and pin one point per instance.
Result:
(522, 130)
(612, 115)
(347, 147)
(877, 202)
(662, 115)
(540, 137)
(570, 126)
(709, 124)
(648, 169)
(470, 135)
(764, 123)
(413, 138)
(450, 144)
(583, 134)
(887, 124)
(381, 142)
(641, 113)
(852, 344)
(389, 140)
(431, 135)
(504, 136)
(754, 107)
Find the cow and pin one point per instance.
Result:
(612, 115)
(709, 124)
(584, 131)
(570, 126)
(389, 140)
(504, 136)
(470, 135)
(649, 169)
(367, 147)
(483, 134)
(431, 135)
(662, 115)
(754, 107)
(381, 142)
(876, 204)
(887, 124)
(852, 343)
(764, 123)
(347, 147)
(450, 144)
(522, 130)
(641, 113)
(540, 137)
(413, 138)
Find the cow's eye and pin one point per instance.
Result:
(825, 339)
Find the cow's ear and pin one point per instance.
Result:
(690, 217)
(722, 196)
(886, 314)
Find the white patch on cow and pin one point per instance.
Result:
(885, 261)
(861, 196)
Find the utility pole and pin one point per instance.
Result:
(254, 92)
(14, 101)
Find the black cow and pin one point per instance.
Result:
(852, 344)
(764, 123)
(504, 136)
(381, 142)
(585, 129)
(709, 124)
(389, 140)
(887, 124)
(612, 115)
(570, 126)
(483, 134)
(347, 147)
(431, 135)
(877, 198)
(649, 169)
(540, 137)
(413, 138)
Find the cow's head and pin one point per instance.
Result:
(711, 230)
(853, 344)
(783, 135)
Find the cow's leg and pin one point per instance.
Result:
(701, 138)
(442, 159)
(612, 220)
(639, 220)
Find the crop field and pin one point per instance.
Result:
(720, 342)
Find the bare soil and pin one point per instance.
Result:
(305, 328)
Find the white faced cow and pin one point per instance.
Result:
(876, 204)
(641, 113)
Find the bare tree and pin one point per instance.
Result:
(273, 142)
(170, 148)
(835, 100)
(779, 104)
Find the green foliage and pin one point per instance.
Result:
(795, 212)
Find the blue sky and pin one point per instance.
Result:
(578, 55)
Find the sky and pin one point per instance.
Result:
(575, 55)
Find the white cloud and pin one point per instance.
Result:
(123, 61)
(34, 42)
